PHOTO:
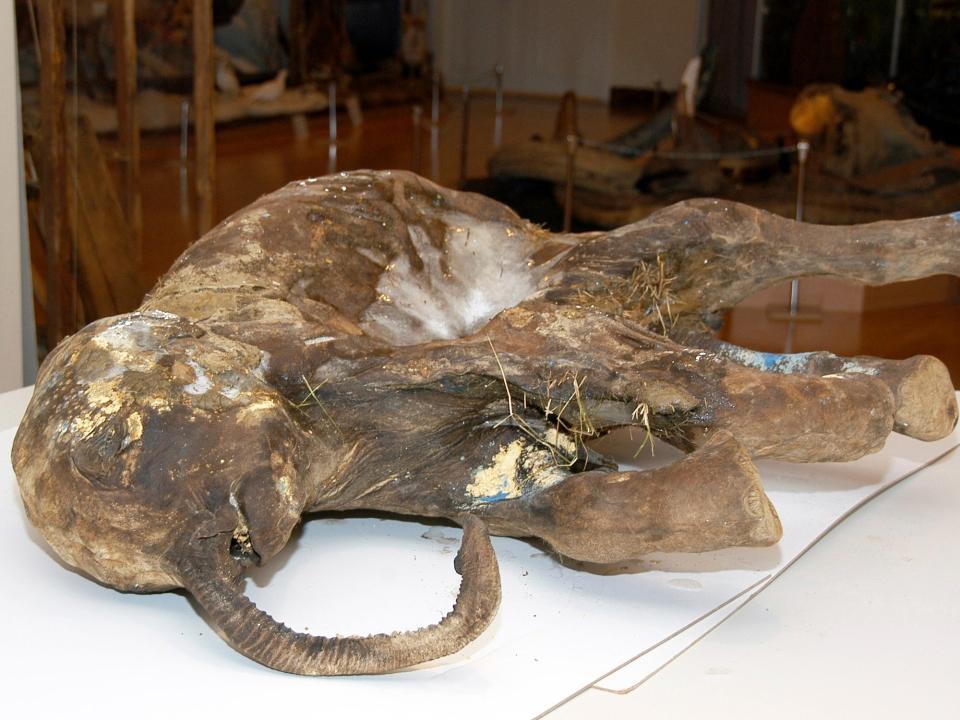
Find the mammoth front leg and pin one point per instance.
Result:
(618, 374)
(709, 500)
(524, 484)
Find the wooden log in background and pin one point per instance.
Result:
(128, 121)
(108, 279)
(595, 170)
(54, 181)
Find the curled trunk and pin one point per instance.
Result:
(260, 637)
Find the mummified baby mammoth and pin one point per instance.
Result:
(373, 341)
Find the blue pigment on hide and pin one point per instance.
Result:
(768, 362)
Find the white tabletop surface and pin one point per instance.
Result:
(865, 624)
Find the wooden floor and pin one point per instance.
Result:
(256, 158)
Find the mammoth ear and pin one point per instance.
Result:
(271, 495)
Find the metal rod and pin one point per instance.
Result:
(756, 61)
(464, 135)
(895, 43)
(572, 142)
(803, 150)
(184, 159)
(794, 297)
(417, 123)
(203, 118)
(435, 100)
(332, 110)
(498, 107)
(434, 153)
(184, 131)
(435, 128)
(791, 334)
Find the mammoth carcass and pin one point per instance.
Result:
(373, 341)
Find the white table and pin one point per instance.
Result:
(866, 624)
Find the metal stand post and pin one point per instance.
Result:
(803, 149)
(435, 101)
(572, 142)
(184, 159)
(184, 132)
(332, 109)
(417, 121)
(435, 128)
(332, 113)
(464, 135)
(498, 107)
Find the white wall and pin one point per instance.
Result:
(653, 41)
(551, 46)
(11, 188)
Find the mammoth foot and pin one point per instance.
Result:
(711, 499)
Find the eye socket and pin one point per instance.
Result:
(95, 456)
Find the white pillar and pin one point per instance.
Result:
(16, 305)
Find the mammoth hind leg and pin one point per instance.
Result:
(925, 403)
(725, 251)
(257, 635)
(709, 500)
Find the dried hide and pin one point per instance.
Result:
(373, 341)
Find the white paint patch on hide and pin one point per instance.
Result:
(483, 269)
(131, 342)
(202, 383)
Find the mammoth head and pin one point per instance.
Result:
(154, 456)
(115, 493)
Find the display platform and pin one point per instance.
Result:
(865, 625)
(562, 626)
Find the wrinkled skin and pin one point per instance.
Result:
(373, 341)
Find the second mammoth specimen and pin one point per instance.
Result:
(372, 341)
